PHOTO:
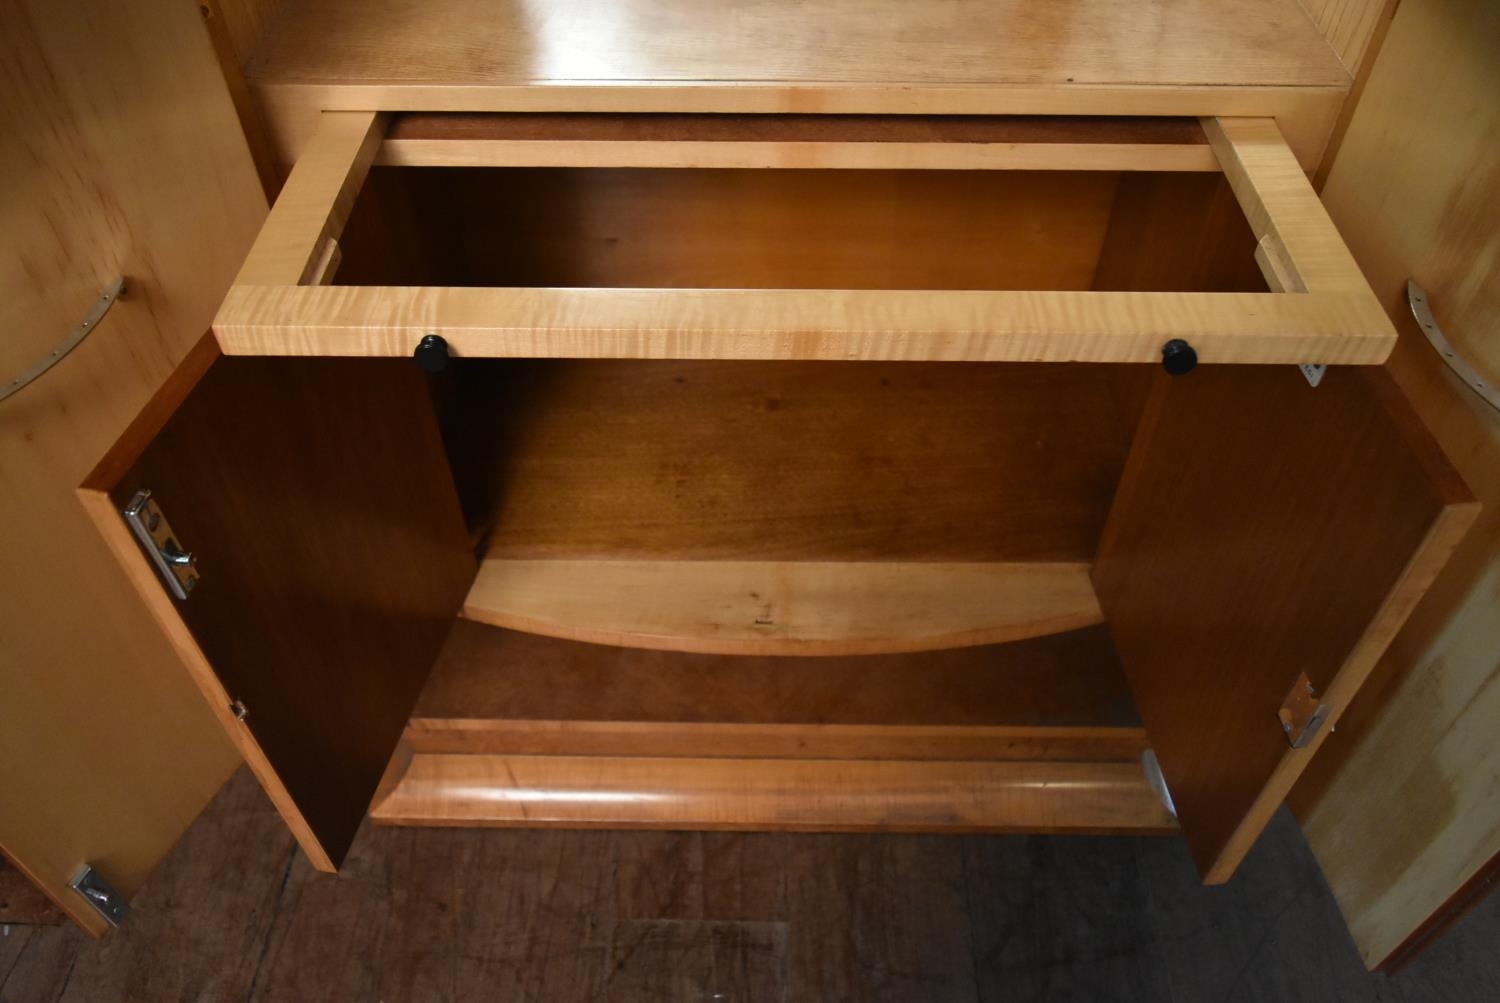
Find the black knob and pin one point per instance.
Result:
(431, 354)
(1178, 357)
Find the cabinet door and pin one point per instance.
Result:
(1267, 540)
(122, 156)
(330, 557)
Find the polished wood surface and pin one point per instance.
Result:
(946, 142)
(1330, 507)
(324, 594)
(108, 752)
(969, 57)
(459, 44)
(1419, 148)
(788, 461)
(784, 607)
(501, 691)
(820, 795)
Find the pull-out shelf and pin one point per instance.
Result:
(744, 237)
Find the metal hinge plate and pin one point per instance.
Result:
(101, 895)
(1302, 714)
(177, 567)
(1313, 372)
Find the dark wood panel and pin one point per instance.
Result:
(750, 228)
(729, 128)
(1264, 529)
(771, 460)
(1068, 679)
(332, 552)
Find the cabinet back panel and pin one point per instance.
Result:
(858, 461)
(739, 228)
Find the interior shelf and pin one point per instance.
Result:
(793, 508)
(771, 607)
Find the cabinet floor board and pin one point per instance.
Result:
(459, 914)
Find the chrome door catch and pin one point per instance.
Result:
(178, 567)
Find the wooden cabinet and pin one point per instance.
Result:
(790, 472)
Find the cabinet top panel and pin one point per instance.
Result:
(797, 50)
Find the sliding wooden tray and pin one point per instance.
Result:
(1319, 309)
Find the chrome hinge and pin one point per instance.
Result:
(101, 895)
(178, 568)
(1302, 713)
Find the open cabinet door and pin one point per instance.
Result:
(329, 558)
(1267, 540)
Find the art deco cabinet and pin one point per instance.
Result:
(605, 431)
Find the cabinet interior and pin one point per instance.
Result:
(699, 228)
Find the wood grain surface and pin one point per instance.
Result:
(116, 160)
(1410, 776)
(324, 594)
(820, 795)
(941, 142)
(1264, 528)
(784, 607)
(787, 461)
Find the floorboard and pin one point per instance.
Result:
(234, 914)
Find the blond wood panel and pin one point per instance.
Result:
(861, 156)
(643, 42)
(1032, 326)
(1306, 115)
(798, 141)
(1349, 26)
(314, 204)
(763, 607)
(1279, 202)
(796, 794)
(1406, 811)
(109, 753)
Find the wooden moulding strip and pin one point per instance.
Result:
(674, 739)
(1015, 326)
(771, 794)
(797, 141)
(784, 607)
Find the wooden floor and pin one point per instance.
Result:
(431, 914)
